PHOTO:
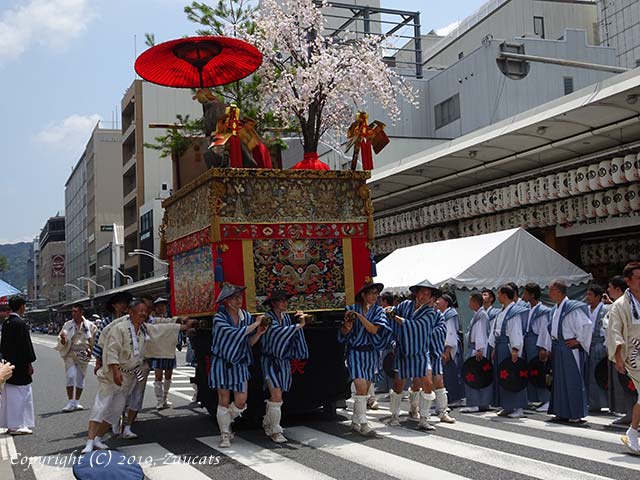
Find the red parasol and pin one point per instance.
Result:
(198, 62)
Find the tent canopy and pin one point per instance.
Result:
(477, 262)
(7, 290)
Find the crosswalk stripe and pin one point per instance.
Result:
(180, 395)
(264, 461)
(538, 423)
(562, 448)
(163, 465)
(602, 421)
(550, 427)
(45, 468)
(390, 464)
(495, 458)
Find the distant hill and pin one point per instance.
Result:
(18, 255)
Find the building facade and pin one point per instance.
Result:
(506, 19)
(52, 261)
(568, 171)
(146, 177)
(93, 203)
(619, 22)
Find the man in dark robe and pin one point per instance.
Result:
(16, 408)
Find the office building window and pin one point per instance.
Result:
(568, 85)
(538, 26)
(447, 111)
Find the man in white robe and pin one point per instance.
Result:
(125, 343)
(623, 341)
(75, 343)
(569, 340)
(16, 407)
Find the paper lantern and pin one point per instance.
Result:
(621, 200)
(598, 204)
(484, 202)
(572, 178)
(576, 211)
(609, 203)
(588, 206)
(551, 185)
(585, 258)
(582, 179)
(478, 225)
(523, 193)
(633, 247)
(499, 199)
(562, 208)
(617, 171)
(633, 195)
(542, 188)
(592, 176)
(631, 167)
(532, 188)
(613, 255)
(551, 213)
(604, 174)
(513, 201)
(562, 179)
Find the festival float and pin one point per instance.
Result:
(232, 218)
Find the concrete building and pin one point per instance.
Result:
(474, 93)
(110, 260)
(619, 22)
(146, 178)
(52, 261)
(544, 19)
(93, 203)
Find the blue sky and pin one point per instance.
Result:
(65, 64)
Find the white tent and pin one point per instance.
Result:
(475, 262)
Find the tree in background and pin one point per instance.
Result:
(4, 264)
(317, 82)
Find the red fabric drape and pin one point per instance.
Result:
(235, 152)
(367, 157)
(311, 162)
(262, 156)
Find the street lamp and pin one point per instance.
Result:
(77, 288)
(128, 278)
(146, 253)
(92, 282)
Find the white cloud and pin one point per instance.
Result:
(71, 134)
(448, 29)
(50, 23)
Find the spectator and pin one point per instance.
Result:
(16, 409)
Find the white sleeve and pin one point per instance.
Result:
(492, 332)
(514, 331)
(479, 335)
(580, 327)
(452, 334)
(544, 338)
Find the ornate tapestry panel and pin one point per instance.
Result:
(312, 270)
(193, 281)
(188, 214)
(283, 200)
(295, 231)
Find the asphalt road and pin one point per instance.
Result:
(181, 442)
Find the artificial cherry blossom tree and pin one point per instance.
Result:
(318, 82)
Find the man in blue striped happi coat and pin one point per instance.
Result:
(282, 342)
(365, 333)
(413, 328)
(234, 332)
